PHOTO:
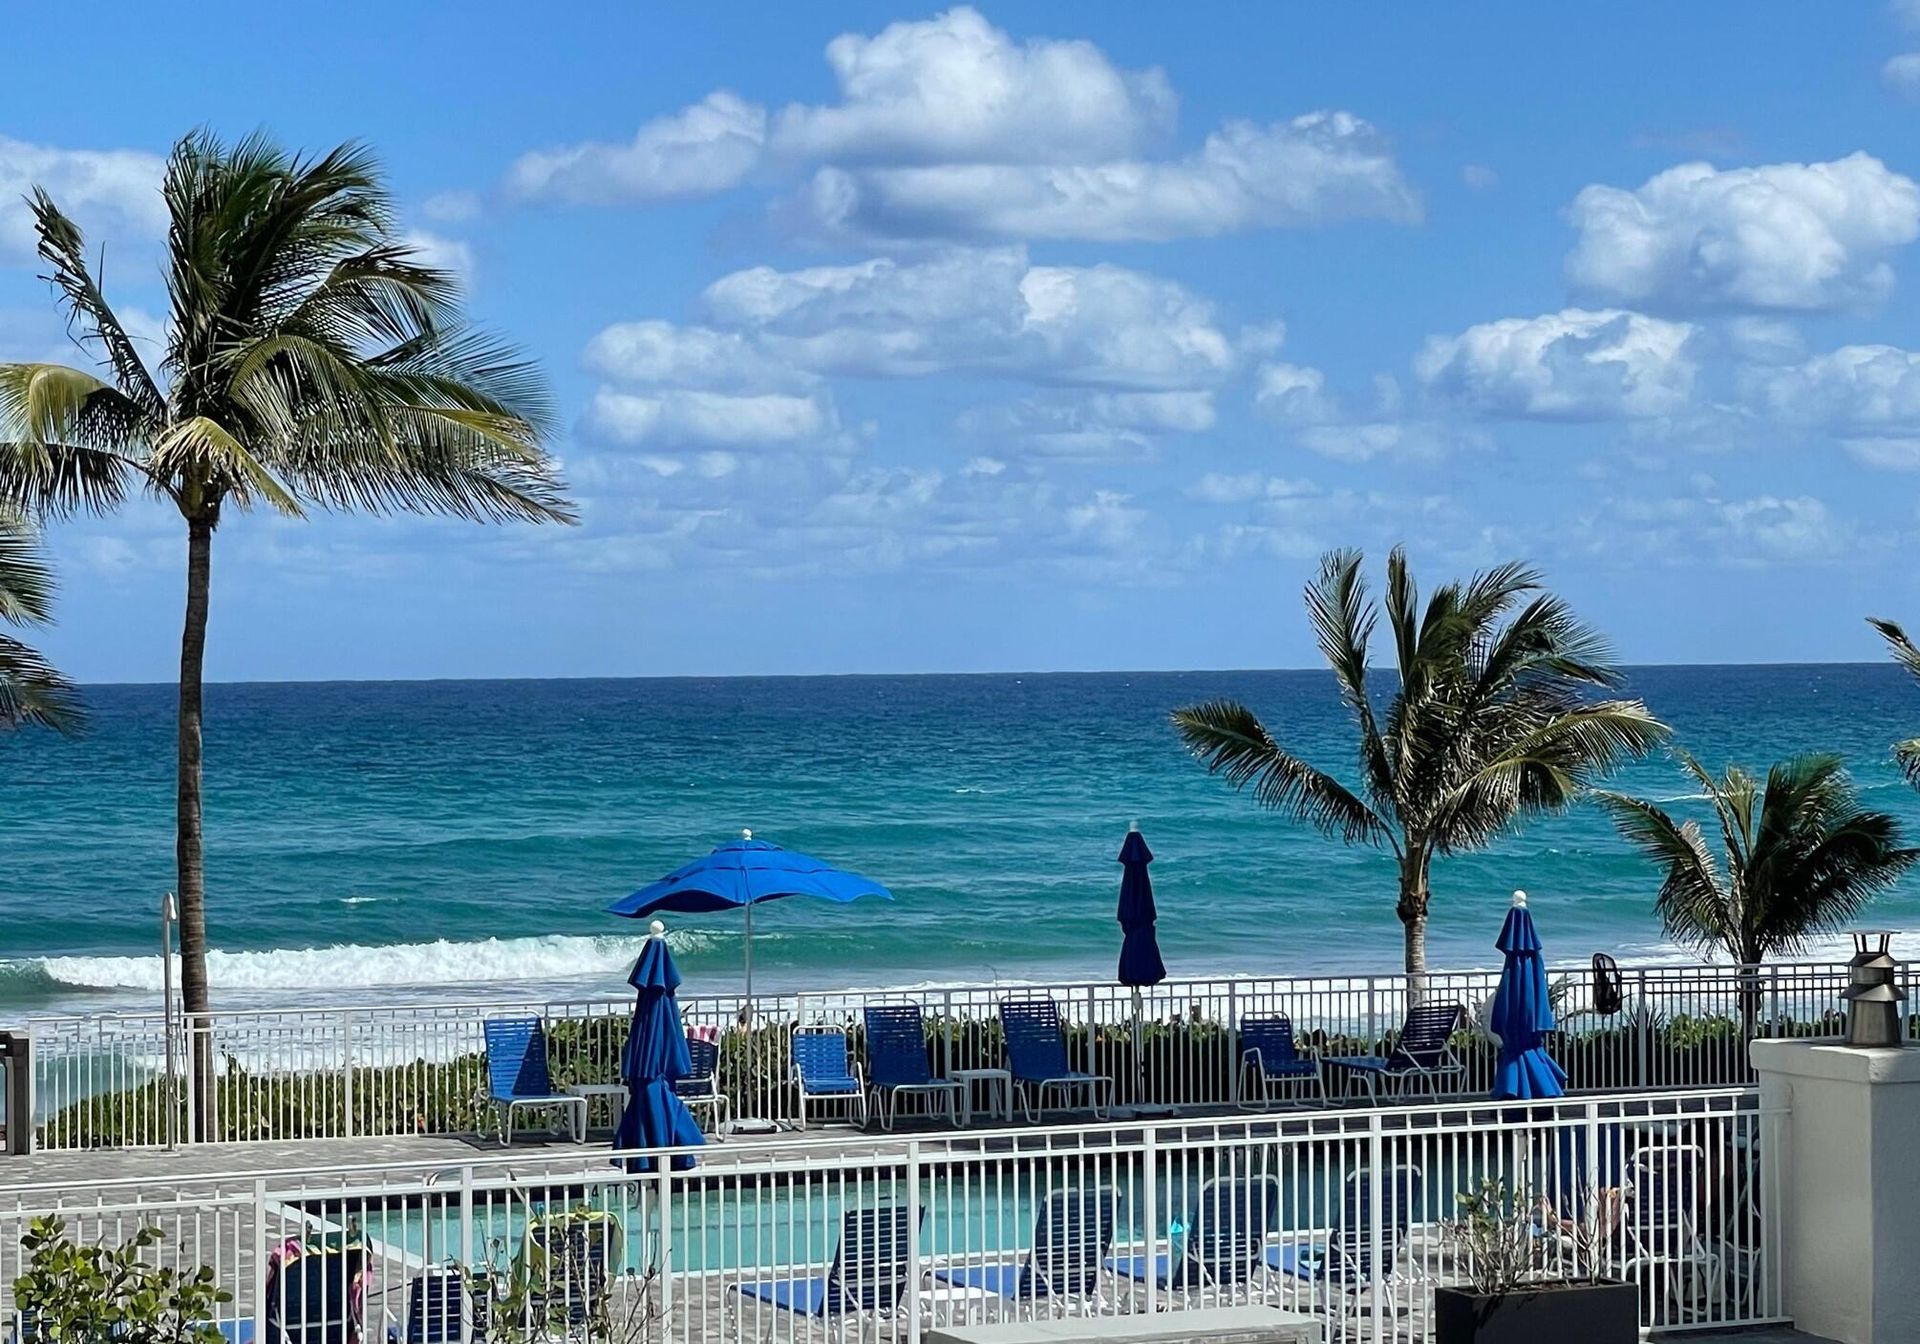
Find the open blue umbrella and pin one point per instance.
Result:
(655, 1057)
(1140, 962)
(1522, 1013)
(741, 874)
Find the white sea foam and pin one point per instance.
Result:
(349, 966)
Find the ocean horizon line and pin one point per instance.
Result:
(1321, 669)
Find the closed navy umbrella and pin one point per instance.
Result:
(655, 1058)
(1140, 963)
(1523, 1013)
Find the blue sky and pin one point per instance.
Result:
(1061, 336)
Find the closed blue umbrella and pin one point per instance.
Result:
(655, 1058)
(739, 875)
(1140, 962)
(1523, 1013)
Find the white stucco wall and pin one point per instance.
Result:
(1849, 1173)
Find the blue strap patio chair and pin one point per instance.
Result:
(517, 1077)
(1345, 1261)
(1072, 1238)
(1226, 1238)
(897, 1063)
(1423, 1054)
(868, 1276)
(437, 1307)
(701, 1086)
(1037, 1059)
(1269, 1059)
(822, 1072)
(1668, 1254)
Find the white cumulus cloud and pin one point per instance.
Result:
(950, 128)
(956, 88)
(684, 418)
(702, 149)
(1785, 236)
(1314, 169)
(1572, 365)
(990, 312)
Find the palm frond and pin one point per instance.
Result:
(1343, 619)
(31, 691)
(1233, 743)
(1694, 903)
(63, 247)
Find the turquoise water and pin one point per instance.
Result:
(442, 839)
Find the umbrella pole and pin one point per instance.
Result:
(746, 1007)
(1139, 1038)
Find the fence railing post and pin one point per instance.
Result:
(346, 1074)
(913, 1241)
(1376, 1220)
(466, 1242)
(1150, 1205)
(1642, 1029)
(665, 1198)
(260, 1241)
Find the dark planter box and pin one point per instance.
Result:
(1592, 1312)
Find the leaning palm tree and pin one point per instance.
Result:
(310, 360)
(31, 692)
(1907, 753)
(1798, 858)
(1492, 717)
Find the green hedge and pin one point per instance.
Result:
(1186, 1061)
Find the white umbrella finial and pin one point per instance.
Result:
(657, 929)
(1133, 827)
(746, 833)
(1520, 900)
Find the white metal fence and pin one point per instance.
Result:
(1337, 1212)
(404, 1069)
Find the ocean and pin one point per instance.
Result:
(440, 840)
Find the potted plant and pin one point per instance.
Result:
(1516, 1253)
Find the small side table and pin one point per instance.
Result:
(617, 1091)
(999, 1087)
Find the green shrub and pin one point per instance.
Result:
(79, 1294)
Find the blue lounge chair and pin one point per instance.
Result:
(437, 1306)
(868, 1275)
(1668, 1254)
(1345, 1261)
(1037, 1059)
(1269, 1059)
(517, 1077)
(701, 1086)
(1072, 1238)
(1423, 1054)
(1226, 1239)
(822, 1073)
(897, 1063)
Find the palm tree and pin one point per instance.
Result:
(31, 692)
(1798, 858)
(1907, 753)
(310, 360)
(1492, 718)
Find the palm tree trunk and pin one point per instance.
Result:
(189, 844)
(1414, 895)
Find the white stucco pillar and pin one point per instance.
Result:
(1849, 1187)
